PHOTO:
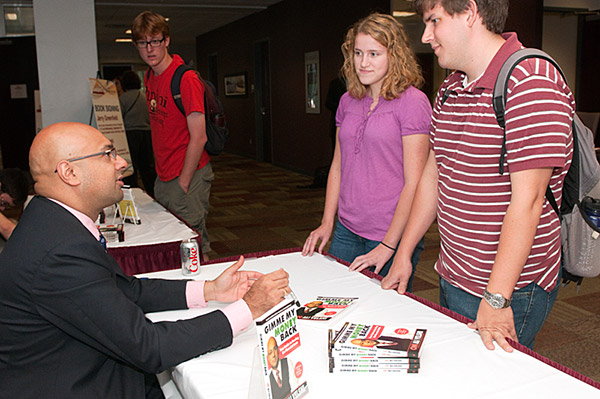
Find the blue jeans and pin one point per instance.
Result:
(531, 306)
(347, 246)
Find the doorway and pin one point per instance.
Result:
(262, 101)
(19, 76)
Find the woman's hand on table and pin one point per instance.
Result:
(323, 232)
(377, 257)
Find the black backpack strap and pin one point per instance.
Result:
(445, 95)
(176, 86)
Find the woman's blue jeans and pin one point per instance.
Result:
(347, 246)
(531, 306)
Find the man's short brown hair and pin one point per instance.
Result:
(149, 23)
(493, 12)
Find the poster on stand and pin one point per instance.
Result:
(107, 111)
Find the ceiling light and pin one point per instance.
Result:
(11, 16)
(123, 40)
(402, 14)
(128, 32)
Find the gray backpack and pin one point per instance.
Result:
(581, 189)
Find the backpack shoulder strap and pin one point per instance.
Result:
(176, 86)
(445, 95)
(499, 101)
(212, 104)
(501, 87)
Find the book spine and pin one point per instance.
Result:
(350, 355)
(415, 346)
(343, 348)
(378, 366)
(365, 370)
(370, 361)
(263, 358)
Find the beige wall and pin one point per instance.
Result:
(560, 41)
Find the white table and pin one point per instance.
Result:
(154, 243)
(158, 224)
(454, 362)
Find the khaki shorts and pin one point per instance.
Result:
(192, 207)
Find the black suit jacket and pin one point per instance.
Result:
(285, 390)
(72, 324)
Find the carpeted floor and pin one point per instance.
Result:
(259, 207)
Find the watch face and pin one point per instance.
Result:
(496, 301)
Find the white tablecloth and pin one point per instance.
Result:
(158, 224)
(454, 362)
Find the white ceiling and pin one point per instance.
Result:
(190, 18)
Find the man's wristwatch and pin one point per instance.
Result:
(496, 301)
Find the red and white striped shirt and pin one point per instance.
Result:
(472, 196)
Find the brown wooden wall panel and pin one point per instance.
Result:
(300, 141)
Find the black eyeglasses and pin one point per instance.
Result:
(112, 152)
(153, 43)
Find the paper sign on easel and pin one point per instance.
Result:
(108, 117)
(127, 208)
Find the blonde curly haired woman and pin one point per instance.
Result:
(381, 148)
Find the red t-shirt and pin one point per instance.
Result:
(170, 135)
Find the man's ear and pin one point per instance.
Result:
(472, 12)
(167, 41)
(66, 173)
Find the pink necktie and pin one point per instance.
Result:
(278, 378)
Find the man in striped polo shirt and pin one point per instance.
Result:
(499, 260)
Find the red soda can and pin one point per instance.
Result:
(190, 257)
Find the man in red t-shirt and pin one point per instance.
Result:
(183, 166)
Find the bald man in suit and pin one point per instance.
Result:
(72, 324)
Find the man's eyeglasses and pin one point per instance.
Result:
(153, 43)
(112, 152)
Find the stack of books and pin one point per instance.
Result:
(375, 348)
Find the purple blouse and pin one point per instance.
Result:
(372, 161)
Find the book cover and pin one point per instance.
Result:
(280, 351)
(379, 340)
(325, 307)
